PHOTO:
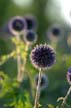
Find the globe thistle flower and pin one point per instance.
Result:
(30, 37)
(43, 83)
(69, 76)
(42, 56)
(17, 25)
(55, 32)
(31, 22)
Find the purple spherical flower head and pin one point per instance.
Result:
(17, 25)
(55, 32)
(42, 56)
(31, 22)
(69, 70)
(69, 75)
(30, 37)
(44, 81)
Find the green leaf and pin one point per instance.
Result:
(50, 106)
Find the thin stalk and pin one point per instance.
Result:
(65, 98)
(18, 59)
(25, 60)
(38, 91)
(23, 64)
(4, 58)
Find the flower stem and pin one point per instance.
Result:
(65, 98)
(38, 91)
(18, 59)
(24, 60)
(4, 58)
(23, 64)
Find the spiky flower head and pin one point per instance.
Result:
(30, 37)
(17, 25)
(31, 22)
(42, 56)
(69, 76)
(44, 81)
(55, 32)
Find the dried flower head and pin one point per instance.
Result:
(31, 22)
(17, 25)
(69, 76)
(30, 37)
(44, 81)
(42, 56)
(55, 32)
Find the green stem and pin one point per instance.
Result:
(22, 64)
(38, 91)
(18, 60)
(65, 98)
(24, 61)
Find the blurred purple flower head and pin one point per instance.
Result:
(69, 76)
(69, 70)
(42, 56)
(17, 25)
(44, 81)
(55, 32)
(31, 22)
(30, 37)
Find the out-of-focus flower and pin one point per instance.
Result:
(17, 25)
(31, 22)
(69, 76)
(55, 32)
(44, 81)
(42, 56)
(30, 37)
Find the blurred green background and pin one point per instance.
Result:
(47, 12)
